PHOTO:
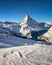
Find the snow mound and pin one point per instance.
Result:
(47, 36)
(37, 54)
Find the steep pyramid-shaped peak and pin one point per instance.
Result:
(30, 24)
(26, 20)
(26, 17)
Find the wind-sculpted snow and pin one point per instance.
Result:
(37, 54)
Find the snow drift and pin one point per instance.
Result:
(37, 54)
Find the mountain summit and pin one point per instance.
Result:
(26, 17)
(30, 22)
(28, 25)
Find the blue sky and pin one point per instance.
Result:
(15, 10)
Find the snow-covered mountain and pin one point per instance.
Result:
(25, 43)
(28, 25)
(30, 22)
(14, 34)
(18, 34)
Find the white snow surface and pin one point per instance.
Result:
(37, 54)
(47, 36)
(12, 41)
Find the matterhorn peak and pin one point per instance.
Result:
(28, 21)
(26, 17)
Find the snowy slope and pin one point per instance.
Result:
(37, 54)
(47, 36)
(12, 41)
(10, 36)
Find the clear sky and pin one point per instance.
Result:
(15, 10)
